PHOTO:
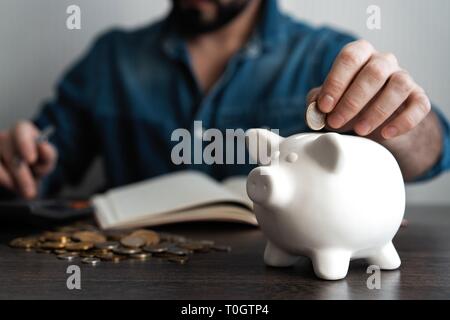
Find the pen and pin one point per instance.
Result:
(45, 134)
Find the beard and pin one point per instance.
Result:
(192, 20)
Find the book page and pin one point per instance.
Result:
(168, 193)
(214, 212)
(238, 186)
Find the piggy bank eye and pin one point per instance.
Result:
(292, 157)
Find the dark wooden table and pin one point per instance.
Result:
(424, 247)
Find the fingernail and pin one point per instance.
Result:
(326, 103)
(363, 128)
(336, 121)
(390, 132)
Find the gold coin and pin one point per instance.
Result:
(118, 258)
(99, 251)
(89, 236)
(150, 237)
(126, 251)
(106, 256)
(86, 254)
(79, 246)
(56, 236)
(114, 258)
(132, 241)
(109, 245)
(141, 256)
(24, 243)
(315, 119)
(52, 245)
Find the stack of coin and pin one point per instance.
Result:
(90, 245)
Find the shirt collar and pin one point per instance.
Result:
(172, 42)
(270, 26)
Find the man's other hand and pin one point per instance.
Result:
(24, 160)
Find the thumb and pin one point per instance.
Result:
(47, 156)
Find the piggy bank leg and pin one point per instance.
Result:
(331, 264)
(276, 257)
(386, 258)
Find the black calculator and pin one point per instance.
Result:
(47, 211)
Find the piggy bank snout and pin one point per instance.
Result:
(260, 185)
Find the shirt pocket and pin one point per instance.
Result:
(284, 114)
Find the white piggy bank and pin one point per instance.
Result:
(329, 197)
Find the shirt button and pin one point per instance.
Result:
(252, 51)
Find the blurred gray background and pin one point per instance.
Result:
(36, 48)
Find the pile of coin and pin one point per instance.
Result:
(90, 245)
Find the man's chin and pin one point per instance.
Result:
(192, 29)
(193, 22)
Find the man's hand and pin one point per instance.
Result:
(367, 91)
(24, 160)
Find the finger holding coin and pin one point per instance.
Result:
(315, 119)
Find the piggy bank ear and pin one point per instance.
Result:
(326, 151)
(261, 143)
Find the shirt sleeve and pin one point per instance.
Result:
(443, 163)
(69, 113)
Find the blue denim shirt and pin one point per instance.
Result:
(125, 97)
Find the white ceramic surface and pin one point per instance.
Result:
(329, 197)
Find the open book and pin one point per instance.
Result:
(176, 197)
